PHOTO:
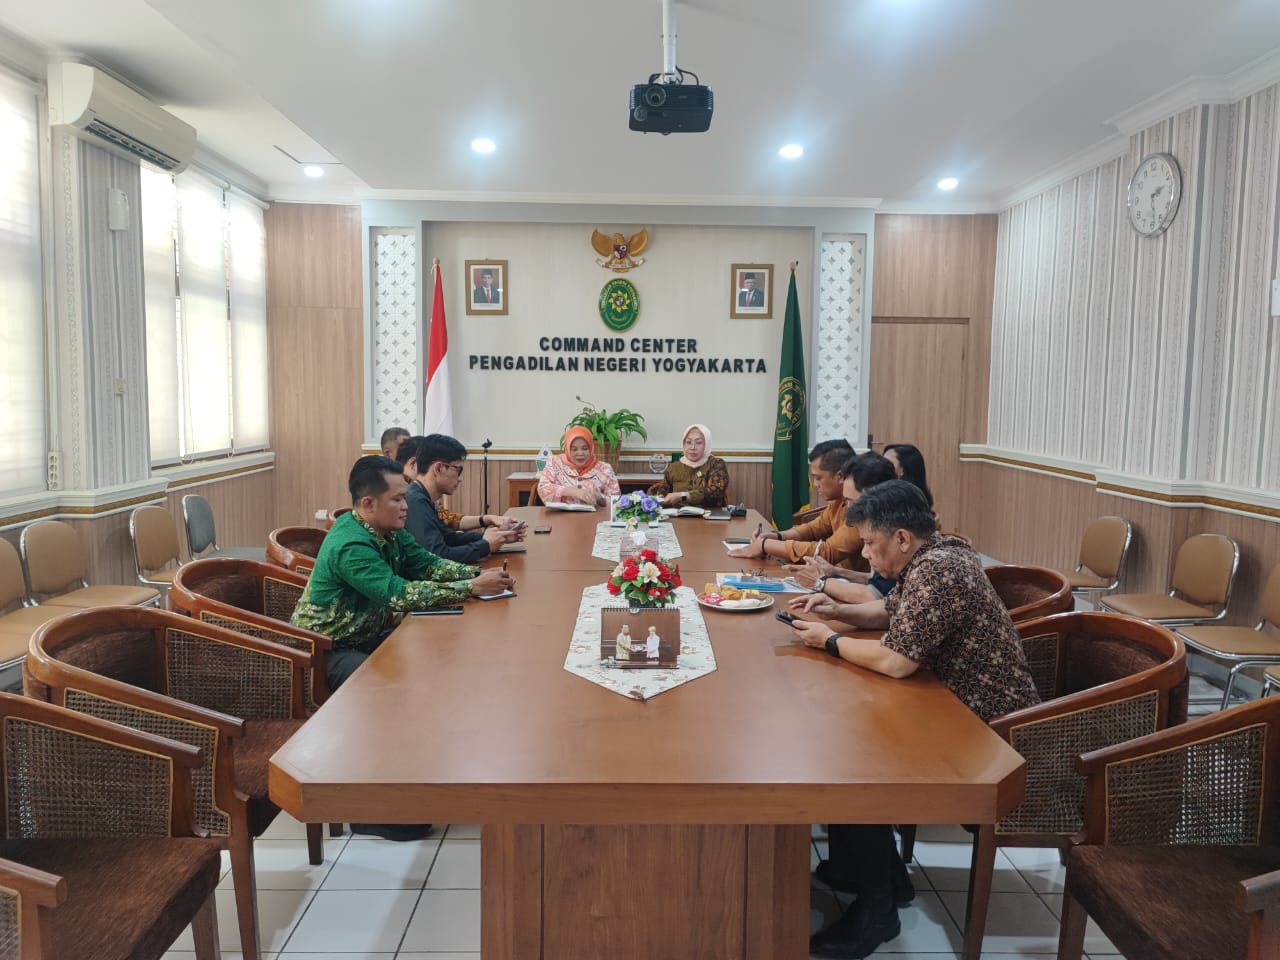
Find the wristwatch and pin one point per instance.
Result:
(820, 585)
(833, 645)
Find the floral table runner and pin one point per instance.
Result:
(609, 540)
(696, 656)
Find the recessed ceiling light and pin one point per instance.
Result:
(313, 170)
(791, 151)
(948, 183)
(483, 145)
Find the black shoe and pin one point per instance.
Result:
(856, 934)
(825, 878)
(399, 832)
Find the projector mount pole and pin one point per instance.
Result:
(669, 74)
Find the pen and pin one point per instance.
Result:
(817, 550)
(504, 566)
(759, 529)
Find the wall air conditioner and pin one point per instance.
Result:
(101, 108)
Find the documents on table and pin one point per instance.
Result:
(574, 507)
(745, 581)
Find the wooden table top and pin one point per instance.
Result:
(568, 545)
(472, 718)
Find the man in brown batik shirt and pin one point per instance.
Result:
(943, 615)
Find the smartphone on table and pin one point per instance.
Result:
(436, 611)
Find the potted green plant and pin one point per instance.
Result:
(608, 429)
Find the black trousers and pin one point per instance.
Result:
(866, 855)
(339, 665)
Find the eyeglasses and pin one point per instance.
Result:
(451, 466)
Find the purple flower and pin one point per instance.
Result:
(648, 504)
(624, 502)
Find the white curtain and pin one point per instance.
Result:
(164, 392)
(248, 277)
(205, 333)
(22, 425)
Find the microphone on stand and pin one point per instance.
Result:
(484, 474)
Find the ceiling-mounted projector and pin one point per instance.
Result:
(671, 108)
(666, 104)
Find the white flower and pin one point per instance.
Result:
(617, 571)
(649, 572)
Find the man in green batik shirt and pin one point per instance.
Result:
(370, 570)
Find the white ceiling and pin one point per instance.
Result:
(887, 96)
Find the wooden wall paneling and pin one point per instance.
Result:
(923, 266)
(316, 336)
(917, 382)
(981, 274)
(244, 509)
(1019, 516)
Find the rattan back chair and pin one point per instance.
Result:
(255, 599)
(1200, 589)
(98, 859)
(1031, 592)
(54, 566)
(235, 697)
(1103, 679)
(295, 548)
(1179, 857)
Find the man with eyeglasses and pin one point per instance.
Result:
(438, 468)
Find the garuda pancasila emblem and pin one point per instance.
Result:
(619, 253)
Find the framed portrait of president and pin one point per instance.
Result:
(751, 291)
(487, 290)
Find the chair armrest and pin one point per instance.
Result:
(1260, 893)
(150, 795)
(42, 889)
(1089, 699)
(62, 678)
(213, 612)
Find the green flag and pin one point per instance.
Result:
(791, 435)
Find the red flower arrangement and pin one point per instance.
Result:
(645, 580)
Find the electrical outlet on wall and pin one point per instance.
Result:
(54, 469)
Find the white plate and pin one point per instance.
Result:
(763, 604)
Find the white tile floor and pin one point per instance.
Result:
(375, 900)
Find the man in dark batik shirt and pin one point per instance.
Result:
(943, 615)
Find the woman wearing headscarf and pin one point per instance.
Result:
(576, 476)
(697, 478)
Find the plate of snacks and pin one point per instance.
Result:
(733, 600)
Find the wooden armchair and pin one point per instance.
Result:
(256, 599)
(233, 696)
(1179, 857)
(1031, 592)
(295, 548)
(1103, 679)
(98, 859)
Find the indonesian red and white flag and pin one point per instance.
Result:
(439, 407)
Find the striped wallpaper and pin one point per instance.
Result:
(1152, 357)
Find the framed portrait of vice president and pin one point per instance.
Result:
(487, 290)
(751, 291)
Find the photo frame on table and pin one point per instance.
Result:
(487, 288)
(751, 291)
(640, 638)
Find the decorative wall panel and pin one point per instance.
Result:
(397, 378)
(1150, 356)
(838, 390)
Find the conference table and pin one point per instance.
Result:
(672, 827)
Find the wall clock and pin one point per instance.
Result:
(1155, 190)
